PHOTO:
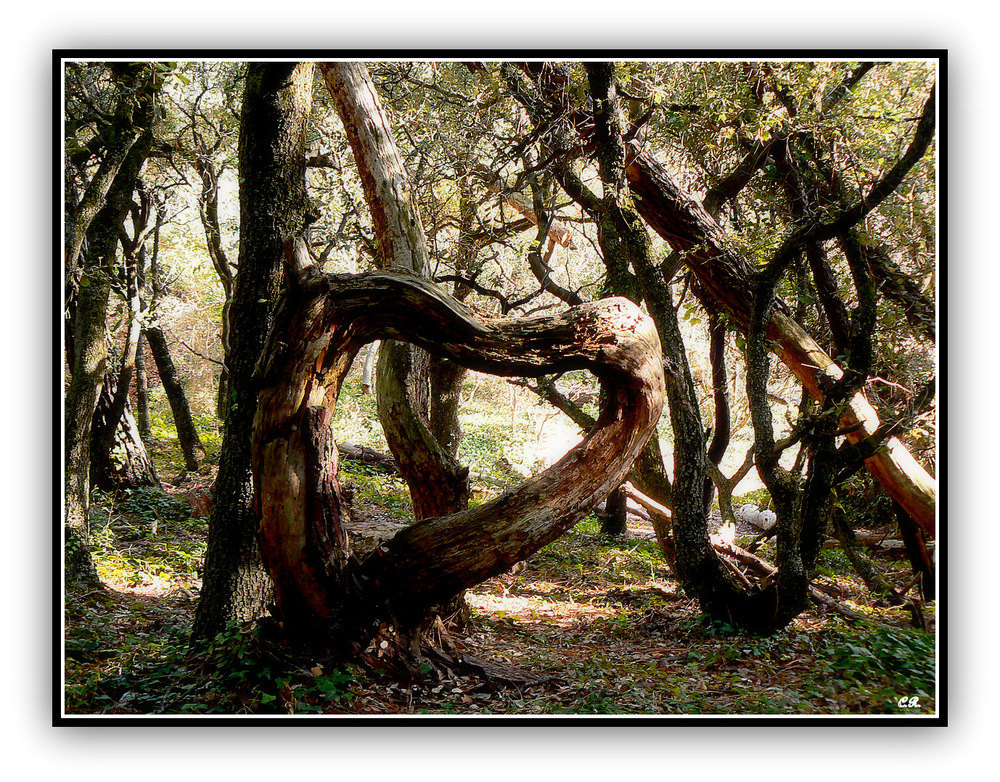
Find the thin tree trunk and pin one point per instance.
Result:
(615, 520)
(142, 392)
(208, 210)
(276, 106)
(720, 395)
(187, 432)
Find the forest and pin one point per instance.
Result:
(499, 389)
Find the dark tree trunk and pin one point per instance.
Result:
(917, 553)
(614, 522)
(187, 433)
(276, 107)
(720, 395)
(87, 331)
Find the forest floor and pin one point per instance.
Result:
(588, 625)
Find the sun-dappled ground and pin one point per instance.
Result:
(588, 625)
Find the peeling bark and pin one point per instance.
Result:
(724, 276)
(326, 321)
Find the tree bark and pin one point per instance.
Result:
(208, 210)
(136, 80)
(438, 483)
(87, 333)
(187, 432)
(325, 322)
(276, 106)
(723, 278)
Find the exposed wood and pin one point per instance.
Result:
(438, 483)
(723, 277)
(325, 323)
(366, 455)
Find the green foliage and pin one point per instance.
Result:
(863, 502)
(889, 660)
(123, 657)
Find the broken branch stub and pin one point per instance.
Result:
(323, 323)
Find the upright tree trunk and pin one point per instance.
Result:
(187, 433)
(208, 210)
(438, 483)
(624, 235)
(142, 419)
(87, 336)
(276, 106)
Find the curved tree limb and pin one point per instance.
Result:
(324, 322)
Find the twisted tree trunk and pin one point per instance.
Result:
(304, 532)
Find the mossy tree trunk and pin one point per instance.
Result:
(87, 350)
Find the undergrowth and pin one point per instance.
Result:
(599, 622)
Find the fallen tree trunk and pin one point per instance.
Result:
(323, 323)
